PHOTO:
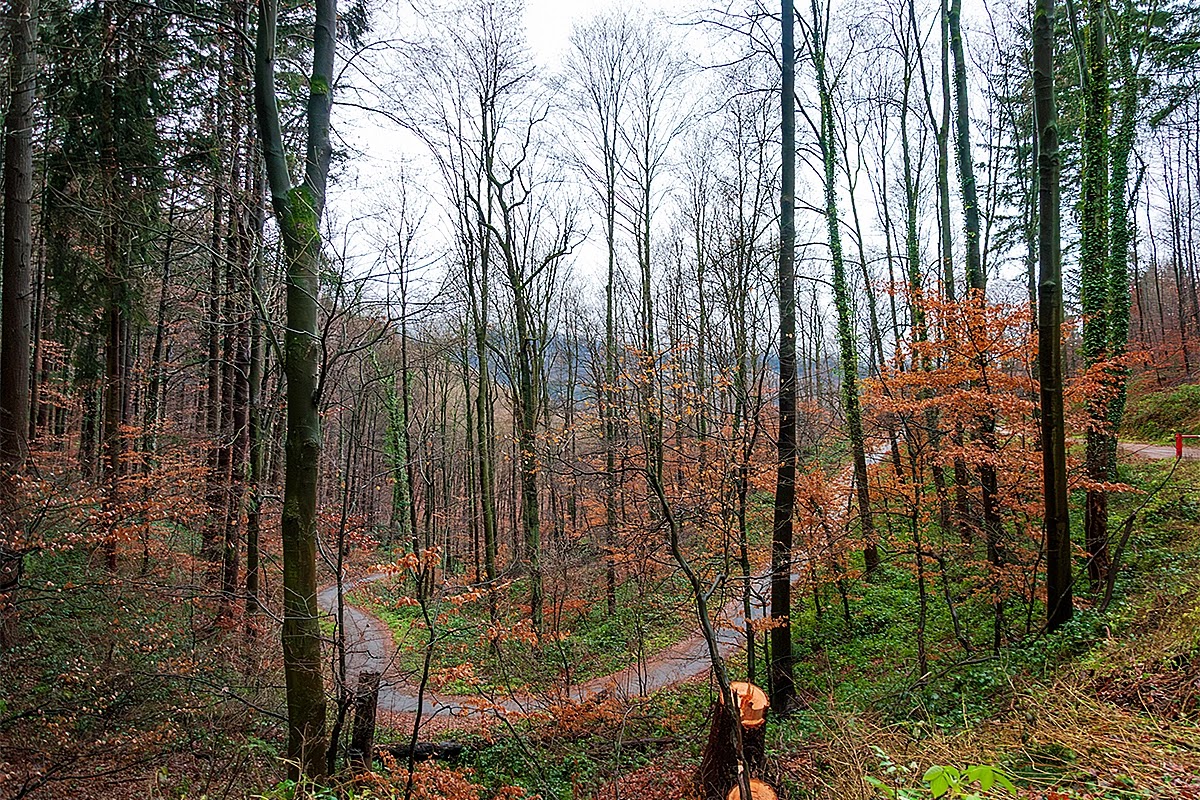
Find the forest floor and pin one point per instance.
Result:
(1107, 708)
(110, 699)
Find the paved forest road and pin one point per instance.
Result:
(1157, 451)
(369, 643)
(369, 646)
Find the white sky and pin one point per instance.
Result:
(548, 23)
(381, 151)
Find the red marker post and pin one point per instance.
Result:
(1179, 437)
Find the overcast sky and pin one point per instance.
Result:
(380, 151)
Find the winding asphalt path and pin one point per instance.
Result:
(1160, 452)
(370, 646)
(369, 643)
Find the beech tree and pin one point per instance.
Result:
(298, 212)
(1057, 524)
(598, 71)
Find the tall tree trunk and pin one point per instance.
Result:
(477, 297)
(527, 412)
(16, 306)
(1094, 276)
(1059, 604)
(847, 349)
(783, 687)
(945, 237)
(966, 166)
(215, 484)
(1120, 238)
(608, 395)
(299, 210)
(116, 324)
(255, 423)
(18, 242)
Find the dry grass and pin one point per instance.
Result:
(1120, 723)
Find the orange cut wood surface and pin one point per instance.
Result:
(758, 791)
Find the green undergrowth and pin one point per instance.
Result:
(1099, 709)
(580, 750)
(1157, 416)
(1105, 707)
(581, 640)
(111, 675)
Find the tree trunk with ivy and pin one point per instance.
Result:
(962, 129)
(1120, 238)
(1094, 276)
(847, 348)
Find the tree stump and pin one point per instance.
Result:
(718, 764)
(758, 791)
(361, 753)
(753, 714)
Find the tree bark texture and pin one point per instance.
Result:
(1059, 603)
(298, 210)
(782, 680)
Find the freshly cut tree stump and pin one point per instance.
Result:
(758, 791)
(718, 764)
(753, 713)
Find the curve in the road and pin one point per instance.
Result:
(370, 646)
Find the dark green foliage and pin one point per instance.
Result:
(81, 202)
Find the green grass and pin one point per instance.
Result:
(1158, 416)
(590, 644)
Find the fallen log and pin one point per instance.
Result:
(424, 751)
